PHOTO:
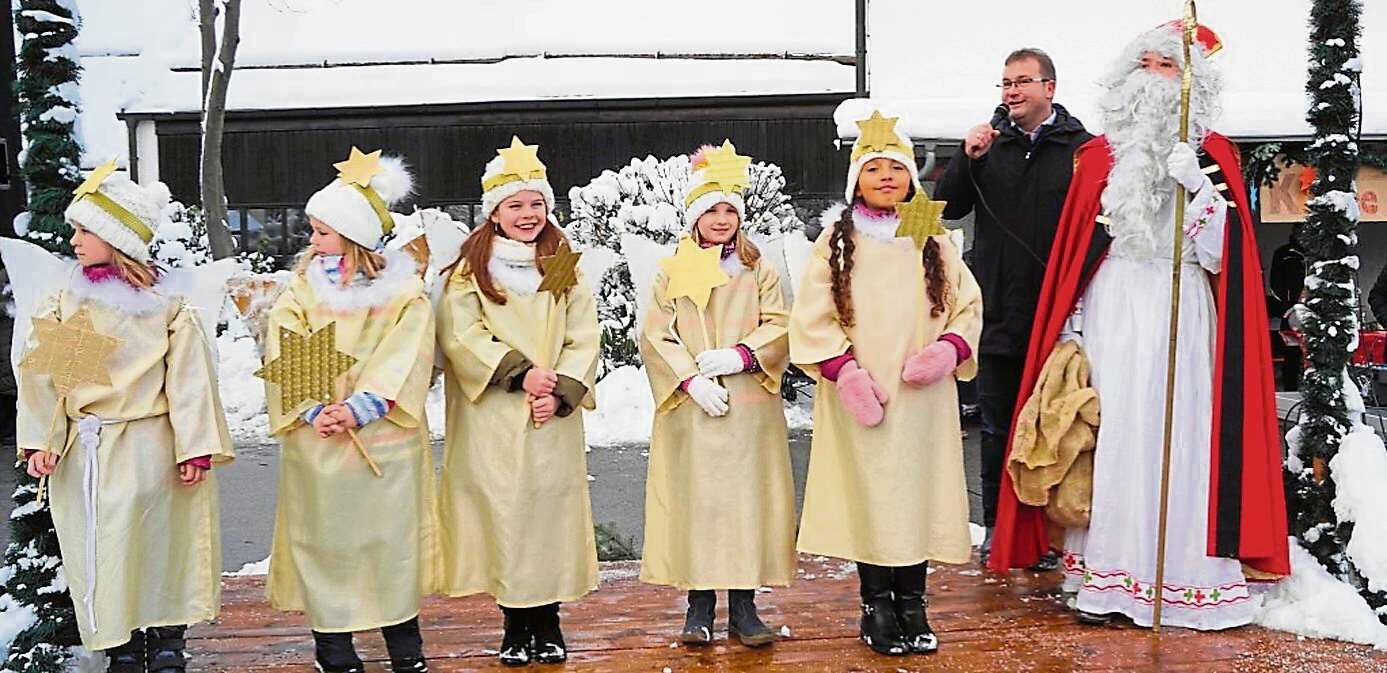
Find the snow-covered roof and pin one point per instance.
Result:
(144, 56)
(946, 84)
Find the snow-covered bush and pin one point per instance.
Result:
(181, 240)
(646, 199)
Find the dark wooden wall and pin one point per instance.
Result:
(281, 158)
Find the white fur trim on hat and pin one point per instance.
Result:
(856, 168)
(706, 202)
(499, 193)
(145, 202)
(349, 213)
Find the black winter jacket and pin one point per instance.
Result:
(1024, 185)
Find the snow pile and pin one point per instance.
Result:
(1360, 471)
(1312, 603)
(625, 409)
(253, 569)
(243, 395)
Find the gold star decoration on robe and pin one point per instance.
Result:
(877, 133)
(522, 160)
(693, 272)
(560, 270)
(72, 352)
(727, 168)
(94, 179)
(359, 167)
(307, 367)
(920, 219)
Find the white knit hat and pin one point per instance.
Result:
(515, 169)
(357, 204)
(718, 175)
(118, 210)
(878, 138)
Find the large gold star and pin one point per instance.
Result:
(727, 168)
(876, 134)
(522, 160)
(920, 218)
(94, 179)
(359, 167)
(693, 272)
(560, 270)
(307, 367)
(72, 352)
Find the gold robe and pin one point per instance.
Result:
(894, 494)
(151, 555)
(719, 495)
(352, 550)
(517, 520)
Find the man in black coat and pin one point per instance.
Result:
(1014, 173)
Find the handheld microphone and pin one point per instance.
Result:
(999, 115)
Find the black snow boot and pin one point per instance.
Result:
(549, 646)
(880, 629)
(127, 658)
(908, 584)
(742, 620)
(698, 620)
(164, 649)
(406, 647)
(334, 653)
(516, 641)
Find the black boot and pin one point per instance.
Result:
(549, 645)
(516, 642)
(879, 628)
(334, 653)
(698, 620)
(742, 620)
(164, 649)
(908, 584)
(985, 549)
(406, 647)
(127, 658)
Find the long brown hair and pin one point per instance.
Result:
(355, 257)
(840, 252)
(476, 252)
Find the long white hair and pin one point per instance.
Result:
(1141, 118)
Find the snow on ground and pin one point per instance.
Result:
(1312, 603)
(1360, 470)
(624, 411)
(243, 395)
(254, 569)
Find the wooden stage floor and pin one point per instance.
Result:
(986, 624)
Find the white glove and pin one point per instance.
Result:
(720, 362)
(1183, 165)
(709, 396)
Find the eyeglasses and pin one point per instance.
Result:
(1016, 84)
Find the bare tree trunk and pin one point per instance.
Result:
(207, 28)
(213, 119)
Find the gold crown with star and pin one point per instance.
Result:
(357, 203)
(513, 170)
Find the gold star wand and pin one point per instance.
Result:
(307, 369)
(694, 272)
(560, 274)
(71, 353)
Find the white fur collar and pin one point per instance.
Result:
(399, 270)
(732, 265)
(877, 228)
(512, 265)
(120, 295)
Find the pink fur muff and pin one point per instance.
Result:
(931, 364)
(861, 396)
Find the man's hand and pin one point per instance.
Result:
(42, 463)
(978, 140)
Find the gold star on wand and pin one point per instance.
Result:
(920, 219)
(560, 269)
(877, 133)
(359, 167)
(522, 160)
(94, 179)
(307, 370)
(71, 352)
(693, 272)
(727, 168)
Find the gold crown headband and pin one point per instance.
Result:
(89, 190)
(520, 162)
(724, 171)
(357, 171)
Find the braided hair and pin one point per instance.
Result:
(840, 252)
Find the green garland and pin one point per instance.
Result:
(46, 97)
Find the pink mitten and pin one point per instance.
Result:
(931, 364)
(862, 397)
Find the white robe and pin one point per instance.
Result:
(1125, 331)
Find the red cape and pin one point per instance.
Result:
(1247, 509)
